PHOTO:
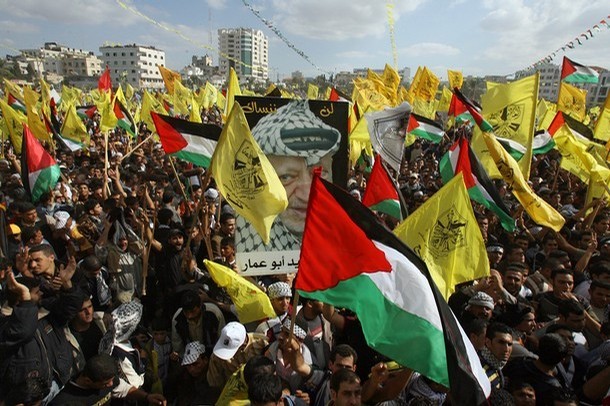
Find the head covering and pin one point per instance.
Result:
(211, 194)
(231, 338)
(13, 229)
(299, 332)
(279, 289)
(293, 130)
(482, 299)
(125, 319)
(495, 248)
(192, 352)
(61, 218)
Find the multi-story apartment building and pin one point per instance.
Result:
(60, 61)
(246, 50)
(134, 64)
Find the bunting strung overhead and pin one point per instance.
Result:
(587, 34)
(184, 37)
(277, 32)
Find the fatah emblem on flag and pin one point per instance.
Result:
(246, 172)
(506, 122)
(449, 233)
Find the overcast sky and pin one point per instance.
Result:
(478, 37)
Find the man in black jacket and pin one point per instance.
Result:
(33, 341)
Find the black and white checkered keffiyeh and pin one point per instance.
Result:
(248, 240)
(125, 319)
(293, 130)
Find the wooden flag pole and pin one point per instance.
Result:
(106, 187)
(136, 147)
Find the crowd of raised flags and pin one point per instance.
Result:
(396, 279)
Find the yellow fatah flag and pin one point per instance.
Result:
(169, 78)
(427, 86)
(444, 233)
(245, 176)
(391, 79)
(195, 114)
(70, 96)
(37, 126)
(210, 95)
(14, 121)
(108, 120)
(12, 88)
(45, 93)
(511, 110)
(221, 101)
(456, 79)
(425, 108)
(545, 113)
(539, 210)
(360, 139)
(129, 91)
(568, 144)
(251, 303)
(150, 104)
(232, 91)
(181, 100)
(312, 91)
(602, 126)
(73, 127)
(572, 101)
(445, 101)
(120, 96)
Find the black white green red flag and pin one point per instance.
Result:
(390, 289)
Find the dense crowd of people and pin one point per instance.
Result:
(105, 298)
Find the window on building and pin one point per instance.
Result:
(114, 54)
(131, 54)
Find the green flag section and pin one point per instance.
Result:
(39, 171)
(192, 142)
(542, 143)
(381, 194)
(444, 233)
(573, 72)
(425, 128)
(461, 159)
(390, 289)
(514, 149)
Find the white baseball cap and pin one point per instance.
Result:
(232, 336)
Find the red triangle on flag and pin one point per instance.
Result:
(379, 186)
(171, 140)
(567, 68)
(105, 82)
(37, 157)
(326, 223)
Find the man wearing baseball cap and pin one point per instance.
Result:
(233, 349)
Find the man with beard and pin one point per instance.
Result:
(295, 141)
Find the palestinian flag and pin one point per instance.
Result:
(336, 95)
(572, 72)
(543, 140)
(380, 194)
(39, 171)
(459, 111)
(374, 274)
(16, 104)
(481, 189)
(125, 121)
(515, 149)
(53, 127)
(192, 142)
(425, 128)
(86, 112)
